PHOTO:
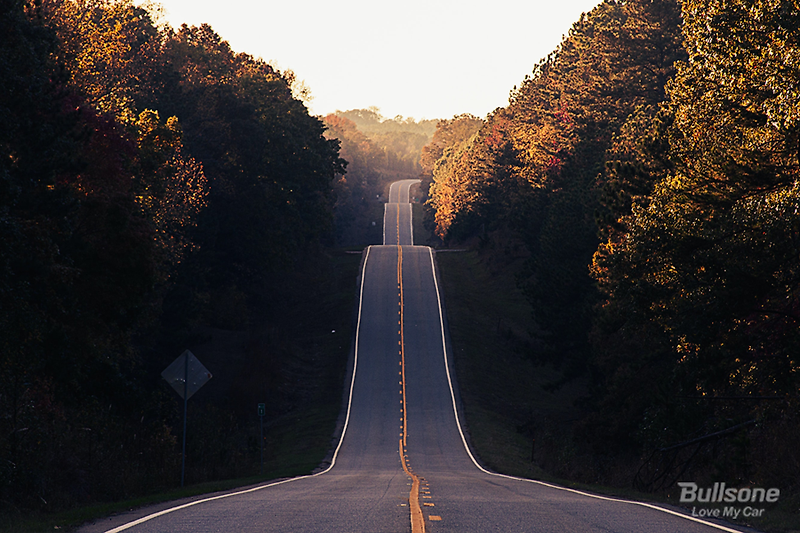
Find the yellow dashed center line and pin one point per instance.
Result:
(417, 519)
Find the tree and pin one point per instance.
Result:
(170, 187)
(269, 167)
(110, 49)
(362, 183)
(444, 173)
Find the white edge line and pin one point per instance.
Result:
(385, 210)
(254, 489)
(411, 222)
(464, 440)
(411, 209)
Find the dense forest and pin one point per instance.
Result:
(155, 188)
(646, 173)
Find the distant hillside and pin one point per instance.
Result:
(399, 139)
(370, 121)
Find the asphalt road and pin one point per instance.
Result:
(402, 443)
(397, 228)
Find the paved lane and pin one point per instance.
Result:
(401, 442)
(397, 227)
(399, 192)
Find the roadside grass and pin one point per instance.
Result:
(294, 463)
(366, 227)
(71, 519)
(297, 442)
(507, 409)
(422, 236)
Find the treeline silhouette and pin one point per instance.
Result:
(399, 140)
(648, 172)
(153, 184)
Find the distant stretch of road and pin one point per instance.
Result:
(397, 228)
(402, 463)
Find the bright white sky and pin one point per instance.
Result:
(416, 58)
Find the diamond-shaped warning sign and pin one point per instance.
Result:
(186, 366)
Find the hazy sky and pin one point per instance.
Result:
(416, 58)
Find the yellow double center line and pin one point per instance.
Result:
(398, 224)
(417, 519)
(401, 312)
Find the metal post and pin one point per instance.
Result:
(262, 444)
(185, 407)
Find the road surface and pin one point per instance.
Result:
(397, 228)
(402, 464)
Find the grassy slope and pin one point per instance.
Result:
(503, 392)
(506, 406)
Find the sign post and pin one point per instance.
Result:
(186, 375)
(261, 412)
